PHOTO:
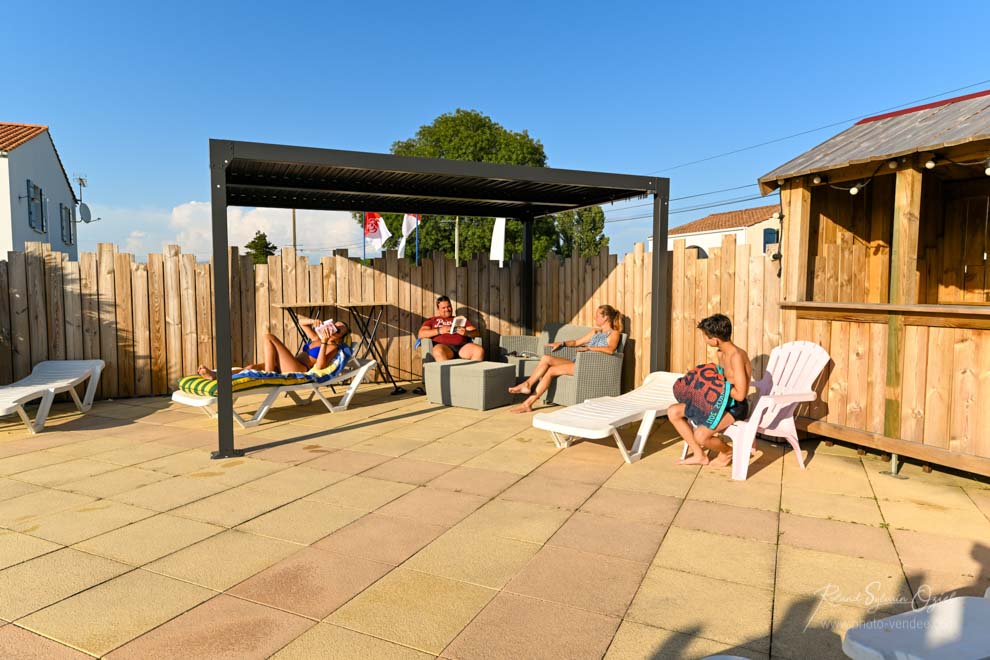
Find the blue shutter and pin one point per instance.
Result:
(30, 198)
(770, 236)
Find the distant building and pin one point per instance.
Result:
(756, 226)
(36, 199)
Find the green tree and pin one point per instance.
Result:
(471, 135)
(260, 248)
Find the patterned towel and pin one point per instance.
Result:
(705, 393)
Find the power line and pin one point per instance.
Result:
(820, 128)
(691, 208)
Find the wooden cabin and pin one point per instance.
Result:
(884, 258)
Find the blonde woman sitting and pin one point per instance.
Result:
(604, 337)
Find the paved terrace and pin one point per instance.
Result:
(413, 531)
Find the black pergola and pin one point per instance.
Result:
(278, 176)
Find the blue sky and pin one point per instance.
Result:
(133, 91)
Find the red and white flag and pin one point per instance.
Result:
(409, 223)
(375, 231)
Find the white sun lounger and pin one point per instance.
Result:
(602, 417)
(355, 375)
(46, 380)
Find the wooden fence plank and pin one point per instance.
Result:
(174, 330)
(156, 322)
(249, 321)
(187, 302)
(740, 297)
(262, 309)
(142, 329)
(289, 290)
(639, 311)
(204, 315)
(982, 424)
(964, 392)
(771, 306)
(913, 384)
(700, 309)
(108, 319)
(20, 327)
(404, 286)
(73, 310)
(677, 308)
(727, 272)
(646, 337)
(629, 309)
(877, 380)
(55, 305)
(234, 289)
(858, 374)
(89, 308)
(276, 325)
(6, 337)
(37, 301)
(838, 383)
(123, 305)
(757, 314)
(714, 282)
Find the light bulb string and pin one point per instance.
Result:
(861, 185)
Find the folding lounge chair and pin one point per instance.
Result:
(46, 380)
(355, 375)
(602, 417)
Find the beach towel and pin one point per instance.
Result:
(705, 393)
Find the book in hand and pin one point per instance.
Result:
(458, 322)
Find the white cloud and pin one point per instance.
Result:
(135, 242)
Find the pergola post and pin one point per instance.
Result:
(660, 344)
(795, 200)
(526, 298)
(220, 156)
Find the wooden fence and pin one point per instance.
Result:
(152, 322)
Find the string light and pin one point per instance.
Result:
(819, 179)
(930, 163)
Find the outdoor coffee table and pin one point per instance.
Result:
(469, 383)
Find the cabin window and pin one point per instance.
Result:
(37, 211)
(65, 213)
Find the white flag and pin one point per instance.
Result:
(498, 241)
(409, 222)
(375, 231)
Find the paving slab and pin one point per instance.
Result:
(170, 493)
(191, 460)
(832, 506)
(11, 488)
(807, 627)
(361, 492)
(20, 644)
(16, 547)
(82, 522)
(381, 538)
(609, 536)
(513, 456)
(232, 507)
(487, 561)
(665, 479)
(539, 488)
(447, 452)
(522, 521)
(394, 444)
(642, 507)
(728, 558)
(326, 640)
(302, 521)
(63, 473)
(31, 461)
(347, 461)
(969, 523)
(728, 520)
(408, 471)
(753, 494)
(636, 641)
(24, 508)
(111, 483)
(841, 538)
(132, 454)
(297, 481)
(433, 506)
(486, 483)
(149, 539)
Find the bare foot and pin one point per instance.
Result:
(521, 388)
(695, 459)
(522, 408)
(722, 460)
(206, 372)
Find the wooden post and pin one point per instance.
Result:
(795, 199)
(903, 287)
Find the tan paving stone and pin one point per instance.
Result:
(479, 438)
(296, 481)
(83, 522)
(592, 582)
(25, 508)
(328, 641)
(232, 507)
(635, 641)
(805, 627)
(30, 461)
(20, 644)
(487, 561)
(567, 467)
(838, 537)
(515, 626)
(433, 506)
(11, 488)
(919, 550)
(642, 507)
(404, 470)
(239, 471)
(191, 439)
(447, 452)
(512, 456)
(346, 461)
(16, 547)
(110, 483)
(222, 627)
(934, 519)
(191, 460)
(311, 583)
(426, 612)
(169, 493)
(522, 521)
(39, 582)
(981, 498)
(486, 483)
(63, 473)
(832, 506)
(930, 585)
(102, 618)
(609, 536)
(728, 558)
(644, 477)
(91, 447)
(292, 453)
(701, 606)
(393, 444)
(728, 520)
(210, 562)
(541, 489)
(919, 492)
(753, 494)
(303, 521)
(844, 580)
(149, 539)
(381, 538)
(829, 474)
(361, 493)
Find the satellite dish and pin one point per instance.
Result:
(84, 213)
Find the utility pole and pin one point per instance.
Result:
(293, 230)
(457, 241)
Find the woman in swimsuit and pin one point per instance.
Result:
(603, 338)
(319, 353)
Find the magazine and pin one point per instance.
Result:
(458, 322)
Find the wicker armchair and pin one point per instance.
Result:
(595, 374)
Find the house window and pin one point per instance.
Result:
(37, 209)
(770, 237)
(65, 213)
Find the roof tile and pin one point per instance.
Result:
(727, 220)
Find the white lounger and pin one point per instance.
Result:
(601, 418)
(46, 380)
(356, 375)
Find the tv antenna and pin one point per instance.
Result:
(85, 215)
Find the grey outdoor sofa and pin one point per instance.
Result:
(595, 374)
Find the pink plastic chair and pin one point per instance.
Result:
(787, 382)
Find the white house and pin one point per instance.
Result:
(36, 199)
(757, 226)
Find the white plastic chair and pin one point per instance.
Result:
(45, 381)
